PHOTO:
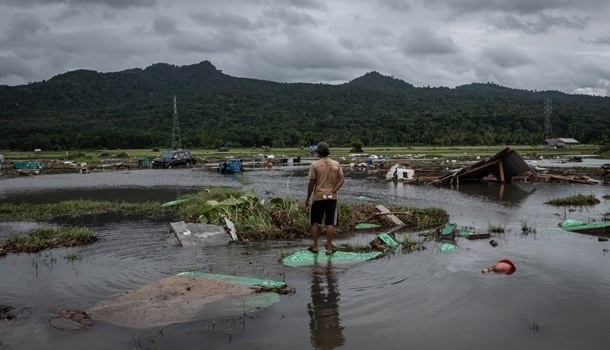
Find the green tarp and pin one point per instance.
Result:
(305, 257)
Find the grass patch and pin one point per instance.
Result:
(254, 218)
(495, 229)
(606, 196)
(526, 229)
(579, 199)
(47, 238)
(75, 208)
(287, 218)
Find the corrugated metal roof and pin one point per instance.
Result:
(567, 140)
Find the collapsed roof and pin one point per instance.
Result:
(503, 166)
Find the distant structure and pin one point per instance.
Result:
(176, 138)
(548, 129)
(560, 142)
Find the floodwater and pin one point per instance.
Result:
(557, 299)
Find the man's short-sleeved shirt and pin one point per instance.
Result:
(327, 173)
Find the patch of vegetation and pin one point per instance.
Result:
(607, 196)
(526, 229)
(75, 208)
(47, 238)
(495, 229)
(579, 199)
(409, 245)
(279, 217)
(254, 218)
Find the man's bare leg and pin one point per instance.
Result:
(330, 231)
(315, 234)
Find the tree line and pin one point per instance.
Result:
(134, 109)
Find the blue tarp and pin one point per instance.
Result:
(231, 167)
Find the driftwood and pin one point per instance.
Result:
(581, 179)
(391, 216)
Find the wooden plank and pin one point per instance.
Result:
(231, 227)
(392, 217)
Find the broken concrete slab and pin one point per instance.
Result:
(193, 235)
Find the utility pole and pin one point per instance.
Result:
(548, 130)
(176, 138)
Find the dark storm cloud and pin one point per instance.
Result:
(426, 42)
(288, 18)
(222, 19)
(164, 25)
(505, 57)
(538, 24)
(514, 6)
(396, 5)
(212, 41)
(109, 3)
(13, 66)
(599, 41)
(306, 4)
(24, 25)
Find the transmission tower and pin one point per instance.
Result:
(548, 129)
(176, 138)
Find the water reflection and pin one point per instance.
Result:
(325, 323)
(511, 194)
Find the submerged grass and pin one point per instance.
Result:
(74, 208)
(47, 238)
(496, 229)
(579, 199)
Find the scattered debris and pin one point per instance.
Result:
(573, 178)
(71, 320)
(191, 235)
(366, 225)
(231, 228)
(384, 242)
(447, 247)
(493, 243)
(478, 236)
(400, 171)
(391, 216)
(503, 266)
(602, 239)
(185, 297)
(6, 312)
(579, 226)
(503, 166)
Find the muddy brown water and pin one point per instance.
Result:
(557, 299)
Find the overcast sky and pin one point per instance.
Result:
(528, 44)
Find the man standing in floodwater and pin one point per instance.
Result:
(325, 180)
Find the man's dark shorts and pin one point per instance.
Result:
(326, 209)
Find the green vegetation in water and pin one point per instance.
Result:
(408, 245)
(495, 229)
(75, 208)
(47, 238)
(526, 229)
(579, 199)
(607, 196)
(254, 218)
(258, 219)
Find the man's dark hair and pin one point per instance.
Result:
(323, 149)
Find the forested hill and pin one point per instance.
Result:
(134, 109)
